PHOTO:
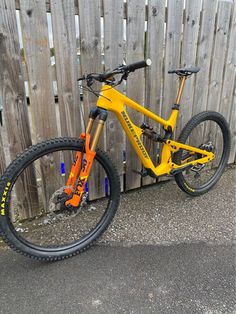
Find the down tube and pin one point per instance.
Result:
(134, 138)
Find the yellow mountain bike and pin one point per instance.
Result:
(52, 182)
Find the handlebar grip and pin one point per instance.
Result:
(138, 65)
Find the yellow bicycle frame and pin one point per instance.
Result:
(114, 101)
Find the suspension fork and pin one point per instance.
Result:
(82, 165)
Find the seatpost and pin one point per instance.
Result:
(181, 87)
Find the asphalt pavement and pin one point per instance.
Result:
(178, 257)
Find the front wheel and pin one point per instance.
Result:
(209, 131)
(34, 219)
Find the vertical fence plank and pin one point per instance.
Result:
(217, 68)
(230, 71)
(135, 83)
(14, 101)
(113, 53)
(172, 53)
(232, 157)
(228, 88)
(154, 74)
(64, 37)
(37, 56)
(90, 45)
(2, 155)
(171, 56)
(204, 51)
(90, 41)
(188, 56)
(218, 56)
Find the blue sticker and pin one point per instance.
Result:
(106, 185)
(63, 172)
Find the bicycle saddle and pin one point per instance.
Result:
(185, 71)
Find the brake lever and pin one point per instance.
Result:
(89, 81)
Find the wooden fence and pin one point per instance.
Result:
(94, 35)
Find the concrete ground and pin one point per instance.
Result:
(164, 253)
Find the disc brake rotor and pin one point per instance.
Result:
(57, 208)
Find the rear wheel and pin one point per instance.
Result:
(210, 131)
(33, 185)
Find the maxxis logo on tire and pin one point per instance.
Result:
(4, 198)
(188, 187)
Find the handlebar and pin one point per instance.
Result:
(138, 65)
(107, 77)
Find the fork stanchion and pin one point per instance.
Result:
(89, 125)
(97, 134)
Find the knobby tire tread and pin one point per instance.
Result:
(16, 165)
(192, 123)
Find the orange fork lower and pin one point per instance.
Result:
(86, 164)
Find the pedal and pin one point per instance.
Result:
(142, 173)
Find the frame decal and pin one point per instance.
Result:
(140, 145)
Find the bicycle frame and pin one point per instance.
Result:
(116, 102)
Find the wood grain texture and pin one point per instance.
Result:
(217, 71)
(64, 37)
(188, 57)
(232, 157)
(229, 84)
(14, 102)
(113, 53)
(229, 71)
(154, 74)
(172, 53)
(171, 57)
(135, 82)
(48, 8)
(204, 58)
(218, 55)
(90, 46)
(2, 155)
(91, 62)
(37, 56)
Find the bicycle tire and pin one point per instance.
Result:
(193, 123)
(14, 170)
